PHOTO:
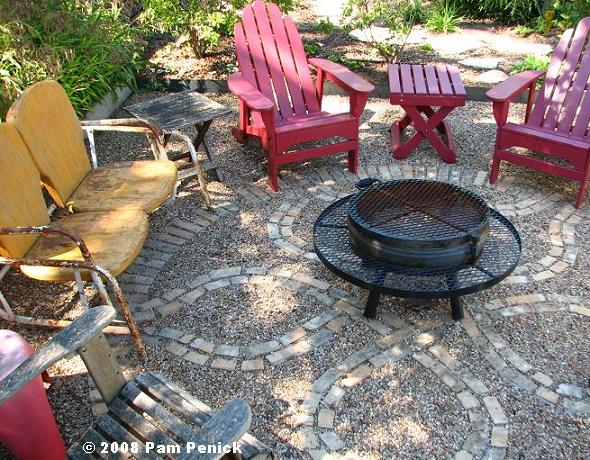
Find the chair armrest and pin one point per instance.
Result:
(253, 98)
(514, 86)
(69, 340)
(50, 229)
(128, 125)
(225, 427)
(342, 76)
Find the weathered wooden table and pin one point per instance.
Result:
(417, 89)
(176, 111)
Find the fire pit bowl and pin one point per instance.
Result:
(418, 223)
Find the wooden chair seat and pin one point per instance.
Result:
(160, 412)
(141, 185)
(114, 238)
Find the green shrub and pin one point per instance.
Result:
(426, 47)
(311, 49)
(201, 23)
(443, 18)
(352, 64)
(569, 12)
(415, 11)
(531, 62)
(325, 27)
(503, 10)
(362, 14)
(85, 46)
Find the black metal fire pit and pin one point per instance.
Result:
(416, 239)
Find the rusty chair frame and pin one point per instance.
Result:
(156, 139)
(97, 273)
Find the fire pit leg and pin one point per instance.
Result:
(456, 308)
(372, 303)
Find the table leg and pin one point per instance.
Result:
(372, 303)
(457, 308)
(424, 129)
(200, 139)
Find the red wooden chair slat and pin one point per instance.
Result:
(287, 61)
(279, 103)
(302, 67)
(419, 82)
(431, 79)
(583, 118)
(245, 63)
(272, 59)
(575, 95)
(538, 114)
(258, 59)
(564, 81)
(558, 125)
(407, 81)
(443, 79)
(456, 80)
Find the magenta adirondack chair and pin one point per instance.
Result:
(278, 102)
(557, 125)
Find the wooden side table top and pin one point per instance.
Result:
(178, 110)
(425, 84)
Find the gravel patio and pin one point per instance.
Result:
(234, 303)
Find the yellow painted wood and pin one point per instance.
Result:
(126, 185)
(21, 199)
(114, 238)
(46, 120)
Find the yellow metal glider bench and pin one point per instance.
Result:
(47, 122)
(83, 246)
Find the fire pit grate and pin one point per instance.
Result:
(418, 223)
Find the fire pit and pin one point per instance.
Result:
(418, 223)
(416, 239)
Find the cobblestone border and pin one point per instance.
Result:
(319, 408)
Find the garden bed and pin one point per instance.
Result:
(473, 39)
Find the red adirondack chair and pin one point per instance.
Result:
(557, 125)
(278, 102)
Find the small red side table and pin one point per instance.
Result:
(417, 89)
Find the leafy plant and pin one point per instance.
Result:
(325, 27)
(502, 10)
(200, 23)
(352, 64)
(524, 30)
(85, 46)
(426, 47)
(415, 11)
(311, 48)
(365, 14)
(569, 12)
(531, 62)
(443, 18)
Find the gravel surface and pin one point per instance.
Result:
(414, 406)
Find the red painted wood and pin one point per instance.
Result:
(431, 79)
(394, 79)
(278, 101)
(444, 80)
(458, 87)
(306, 82)
(271, 55)
(558, 123)
(419, 79)
(423, 87)
(564, 81)
(511, 88)
(287, 61)
(538, 114)
(574, 98)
